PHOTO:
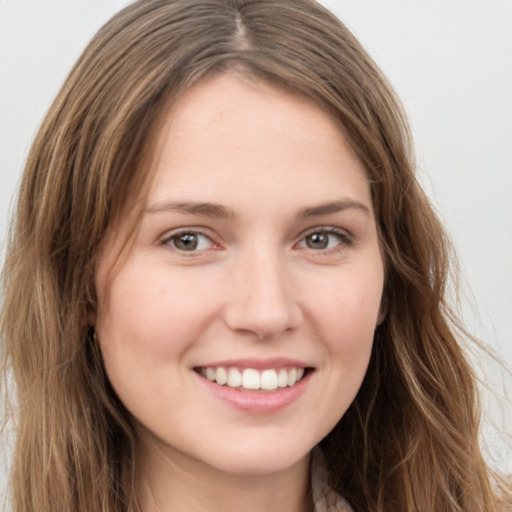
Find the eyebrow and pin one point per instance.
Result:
(333, 207)
(219, 211)
(205, 209)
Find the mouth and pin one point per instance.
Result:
(252, 379)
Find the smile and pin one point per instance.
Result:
(252, 379)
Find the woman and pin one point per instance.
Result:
(225, 288)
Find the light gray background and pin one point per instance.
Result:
(451, 63)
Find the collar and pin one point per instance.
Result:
(325, 498)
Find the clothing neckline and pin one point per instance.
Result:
(325, 498)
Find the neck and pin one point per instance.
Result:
(167, 480)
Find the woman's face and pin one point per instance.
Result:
(238, 327)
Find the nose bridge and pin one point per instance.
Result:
(262, 297)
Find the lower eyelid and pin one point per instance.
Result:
(344, 237)
(170, 237)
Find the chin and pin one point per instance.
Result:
(252, 458)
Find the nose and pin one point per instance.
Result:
(261, 297)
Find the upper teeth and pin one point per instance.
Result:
(250, 378)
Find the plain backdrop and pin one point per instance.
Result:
(449, 60)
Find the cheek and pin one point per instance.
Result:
(144, 330)
(145, 325)
(149, 311)
(346, 315)
(347, 310)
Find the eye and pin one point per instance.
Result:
(189, 241)
(324, 239)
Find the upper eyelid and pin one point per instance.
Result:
(345, 239)
(167, 241)
(185, 230)
(169, 236)
(327, 229)
(201, 230)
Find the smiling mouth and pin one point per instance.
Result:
(250, 379)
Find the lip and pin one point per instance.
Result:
(257, 364)
(257, 402)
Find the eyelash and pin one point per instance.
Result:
(345, 240)
(170, 240)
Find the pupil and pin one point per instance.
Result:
(187, 242)
(317, 241)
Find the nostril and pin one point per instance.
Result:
(265, 325)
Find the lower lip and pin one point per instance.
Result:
(258, 402)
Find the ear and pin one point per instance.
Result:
(383, 311)
(91, 318)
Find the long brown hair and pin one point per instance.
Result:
(408, 442)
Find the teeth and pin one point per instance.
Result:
(292, 377)
(222, 376)
(234, 378)
(282, 379)
(269, 379)
(210, 374)
(250, 378)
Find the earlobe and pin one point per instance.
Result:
(383, 311)
(91, 318)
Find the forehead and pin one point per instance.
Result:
(240, 127)
(263, 153)
(237, 125)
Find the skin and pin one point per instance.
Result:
(255, 287)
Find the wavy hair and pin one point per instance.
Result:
(408, 442)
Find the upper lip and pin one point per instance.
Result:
(257, 364)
